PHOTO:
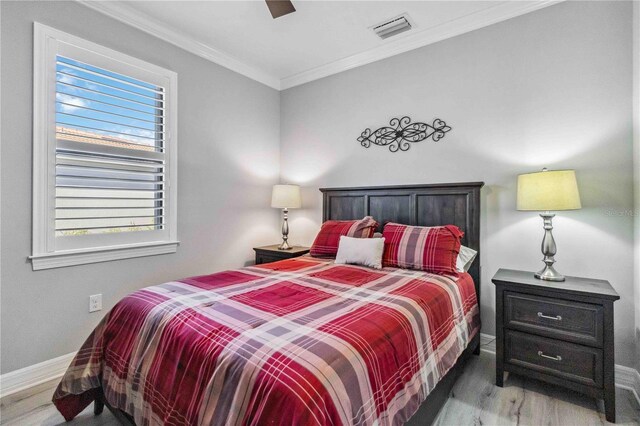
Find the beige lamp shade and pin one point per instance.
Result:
(550, 190)
(286, 197)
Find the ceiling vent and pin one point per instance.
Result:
(393, 26)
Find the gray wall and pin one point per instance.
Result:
(636, 168)
(552, 88)
(228, 159)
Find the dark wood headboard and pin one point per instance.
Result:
(422, 205)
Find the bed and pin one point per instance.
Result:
(300, 341)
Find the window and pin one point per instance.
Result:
(104, 154)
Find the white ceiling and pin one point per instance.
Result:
(320, 38)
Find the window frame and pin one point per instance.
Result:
(46, 252)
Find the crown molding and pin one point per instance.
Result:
(128, 15)
(500, 12)
(410, 41)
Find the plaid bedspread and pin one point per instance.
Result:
(295, 342)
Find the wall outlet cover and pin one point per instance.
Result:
(95, 302)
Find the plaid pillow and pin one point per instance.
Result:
(326, 242)
(432, 249)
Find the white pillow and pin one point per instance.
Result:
(360, 251)
(465, 258)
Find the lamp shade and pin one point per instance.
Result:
(286, 197)
(548, 190)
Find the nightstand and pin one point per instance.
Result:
(557, 332)
(268, 254)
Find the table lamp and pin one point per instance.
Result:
(285, 197)
(546, 191)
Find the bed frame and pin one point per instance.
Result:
(423, 205)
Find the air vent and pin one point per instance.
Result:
(393, 26)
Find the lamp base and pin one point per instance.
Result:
(284, 246)
(285, 231)
(549, 274)
(548, 251)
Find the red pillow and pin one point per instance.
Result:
(432, 249)
(326, 242)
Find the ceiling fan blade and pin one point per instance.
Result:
(280, 8)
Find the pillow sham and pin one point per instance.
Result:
(360, 251)
(465, 258)
(432, 249)
(326, 242)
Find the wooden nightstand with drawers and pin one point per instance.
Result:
(271, 253)
(557, 332)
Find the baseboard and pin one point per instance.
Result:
(24, 378)
(626, 377)
(488, 343)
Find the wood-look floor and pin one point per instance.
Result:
(475, 400)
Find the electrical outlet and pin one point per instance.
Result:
(95, 302)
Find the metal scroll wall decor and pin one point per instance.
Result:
(401, 132)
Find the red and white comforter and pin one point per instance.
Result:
(295, 342)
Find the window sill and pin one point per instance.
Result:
(82, 257)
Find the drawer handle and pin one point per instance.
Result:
(556, 318)
(554, 358)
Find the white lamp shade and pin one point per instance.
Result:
(551, 190)
(286, 197)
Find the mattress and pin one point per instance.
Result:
(298, 342)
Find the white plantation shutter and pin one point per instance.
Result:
(109, 152)
(107, 140)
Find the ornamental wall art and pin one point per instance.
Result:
(401, 133)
